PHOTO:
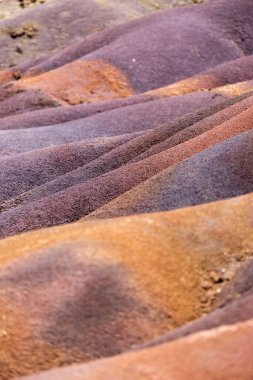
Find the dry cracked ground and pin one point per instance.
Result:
(126, 190)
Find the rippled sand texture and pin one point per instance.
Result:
(126, 190)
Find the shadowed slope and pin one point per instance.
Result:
(26, 101)
(52, 281)
(212, 355)
(25, 171)
(222, 171)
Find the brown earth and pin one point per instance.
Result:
(168, 271)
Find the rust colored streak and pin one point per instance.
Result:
(80, 82)
(236, 89)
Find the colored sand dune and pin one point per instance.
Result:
(126, 190)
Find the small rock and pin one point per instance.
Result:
(205, 285)
(19, 50)
(216, 278)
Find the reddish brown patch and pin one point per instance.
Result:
(81, 308)
(185, 86)
(6, 76)
(19, 341)
(81, 81)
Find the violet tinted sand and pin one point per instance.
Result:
(141, 110)
(80, 192)
(30, 100)
(222, 171)
(129, 119)
(40, 30)
(238, 70)
(24, 171)
(55, 202)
